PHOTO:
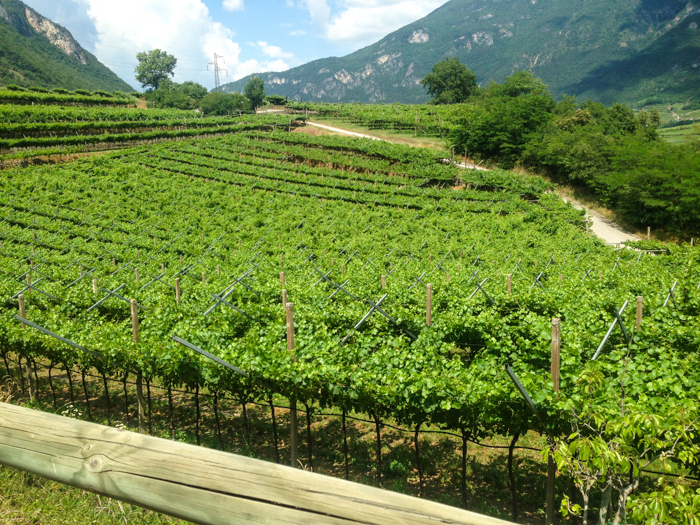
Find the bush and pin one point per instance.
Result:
(60, 91)
(218, 103)
(178, 96)
(13, 87)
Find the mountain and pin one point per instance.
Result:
(34, 51)
(629, 51)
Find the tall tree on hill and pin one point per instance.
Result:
(155, 68)
(255, 92)
(450, 82)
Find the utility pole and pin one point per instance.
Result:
(217, 69)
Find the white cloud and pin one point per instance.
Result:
(298, 32)
(253, 66)
(183, 28)
(320, 12)
(233, 5)
(273, 51)
(362, 22)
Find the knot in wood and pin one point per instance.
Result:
(95, 464)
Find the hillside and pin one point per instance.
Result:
(34, 51)
(607, 50)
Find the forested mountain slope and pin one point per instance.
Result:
(608, 50)
(34, 51)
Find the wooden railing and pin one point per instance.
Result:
(198, 484)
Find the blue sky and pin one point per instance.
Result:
(252, 35)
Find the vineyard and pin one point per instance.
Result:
(32, 131)
(413, 284)
(62, 97)
(420, 120)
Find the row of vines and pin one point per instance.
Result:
(360, 229)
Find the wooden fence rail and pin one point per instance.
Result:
(199, 484)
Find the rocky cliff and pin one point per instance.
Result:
(35, 51)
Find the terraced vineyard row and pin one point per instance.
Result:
(360, 229)
(33, 132)
(420, 120)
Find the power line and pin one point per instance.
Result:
(134, 50)
(124, 64)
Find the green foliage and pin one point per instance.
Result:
(509, 118)
(28, 58)
(187, 95)
(276, 100)
(255, 92)
(373, 208)
(79, 97)
(218, 103)
(672, 504)
(609, 51)
(617, 154)
(155, 67)
(450, 82)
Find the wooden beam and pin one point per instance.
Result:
(198, 484)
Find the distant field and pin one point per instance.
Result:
(676, 135)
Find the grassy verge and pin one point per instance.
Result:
(28, 499)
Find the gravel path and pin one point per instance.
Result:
(604, 228)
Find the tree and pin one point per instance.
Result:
(255, 92)
(218, 103)
(192, 90)
(519, 83)
(187, 95)
(450, 82)
(154, 68)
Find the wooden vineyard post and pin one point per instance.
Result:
(648, 233)
(27, 363)
(177, 290)
(136, 274)
(22, 310)
(139, 374)
(601, 276)
(510, 284)
(293, 424)
(218, 269)
(429, 307)
(556, 352)
(447, 278)
(284, 299)
(283, 280)
(342, 269)
(383, 282)
(640, 312)
(94, 286)
(29, 283)
(551, 465)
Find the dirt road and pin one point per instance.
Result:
(604, 228)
